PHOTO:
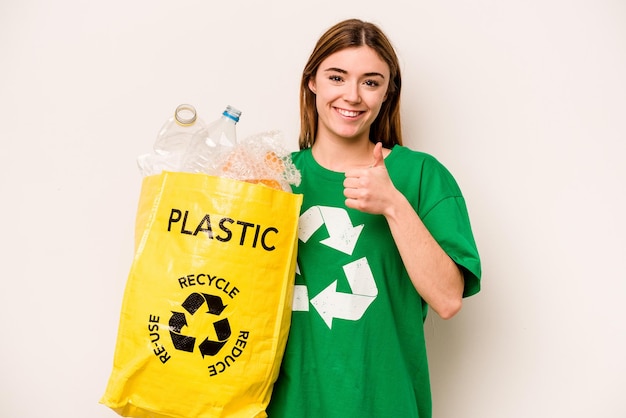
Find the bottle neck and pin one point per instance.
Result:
(231, 117)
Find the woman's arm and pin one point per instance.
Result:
(434, 274)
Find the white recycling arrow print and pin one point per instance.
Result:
(300, 295)
(300, 298)
(351, 306)
(342, 235)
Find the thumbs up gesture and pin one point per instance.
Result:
(370, 189)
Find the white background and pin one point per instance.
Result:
(525, 102)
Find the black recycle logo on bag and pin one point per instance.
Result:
(192, 304)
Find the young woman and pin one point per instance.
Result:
(384, 234)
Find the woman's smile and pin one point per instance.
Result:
(348, 113)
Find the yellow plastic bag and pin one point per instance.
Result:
(207, 304)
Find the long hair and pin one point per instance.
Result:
(346, 34)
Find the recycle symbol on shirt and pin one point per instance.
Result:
(343, 237)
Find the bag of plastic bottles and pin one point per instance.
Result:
(207, 304)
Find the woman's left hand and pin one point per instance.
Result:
(370, 189)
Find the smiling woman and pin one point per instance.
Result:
(359, 308)
(348, 34)
(350, 88)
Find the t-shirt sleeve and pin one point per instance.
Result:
(444, 212)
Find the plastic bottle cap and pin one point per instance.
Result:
(232, 113)
(185, 115)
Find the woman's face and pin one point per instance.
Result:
(350, 87)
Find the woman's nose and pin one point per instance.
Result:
(351, 93)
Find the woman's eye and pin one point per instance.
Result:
(372, 83)
(335, 78)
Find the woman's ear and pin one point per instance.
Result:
(312, 85)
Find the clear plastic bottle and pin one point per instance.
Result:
(172, 142)
(208, 148)
(175, 135)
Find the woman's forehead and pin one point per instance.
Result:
(358, 60)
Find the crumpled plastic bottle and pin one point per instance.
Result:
(208, 149)
(173, 141)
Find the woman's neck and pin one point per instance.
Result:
(343, 155)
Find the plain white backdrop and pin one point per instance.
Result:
(525, 102)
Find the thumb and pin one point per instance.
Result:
(378, 155)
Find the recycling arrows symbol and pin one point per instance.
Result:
(179, 320)
(343, 237)
(332, 304)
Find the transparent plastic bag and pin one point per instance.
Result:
(261, 159)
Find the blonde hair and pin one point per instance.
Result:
(347, 34)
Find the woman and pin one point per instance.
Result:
(384, 233)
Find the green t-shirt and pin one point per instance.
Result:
(356, 346)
